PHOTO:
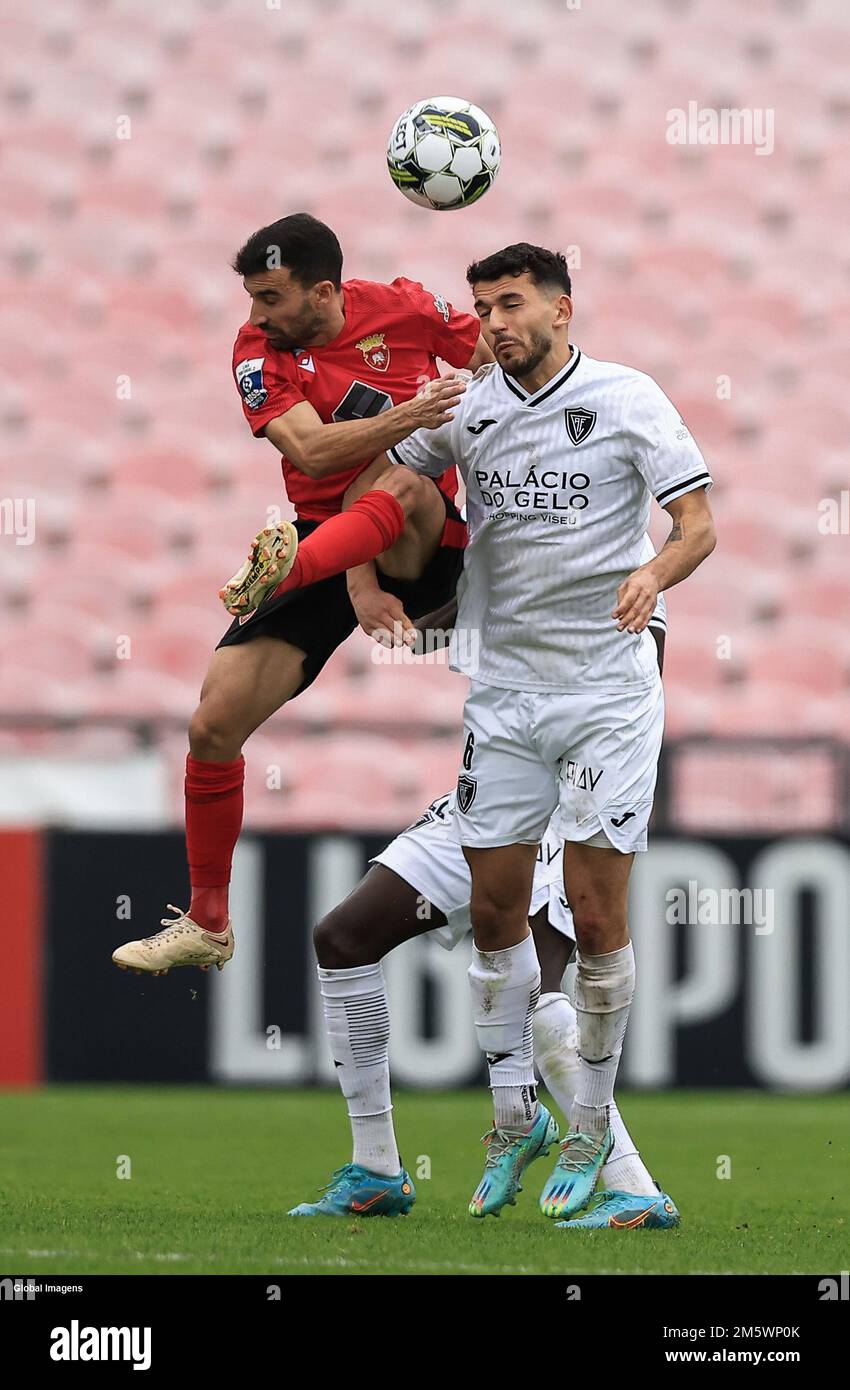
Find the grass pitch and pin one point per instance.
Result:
(212, 1174)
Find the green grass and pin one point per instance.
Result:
(213, 1173)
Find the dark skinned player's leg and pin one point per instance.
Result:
(382, 912)
(555, 1029)
(556, 1056)
(554, 951)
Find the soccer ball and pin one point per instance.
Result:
(443, 153)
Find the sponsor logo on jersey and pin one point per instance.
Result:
(304, 361)
(466, 790)
(442, 306)
(375, 351)
(580, 422)
(249, 379)
(480, 427)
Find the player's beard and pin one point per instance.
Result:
(301, 334)
(541, 346)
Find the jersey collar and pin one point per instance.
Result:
(551, 386)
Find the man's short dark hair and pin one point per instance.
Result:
(548, 268)
(299, 243)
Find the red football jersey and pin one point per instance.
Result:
(392, 336)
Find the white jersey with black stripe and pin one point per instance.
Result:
(559, 485)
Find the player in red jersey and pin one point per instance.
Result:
(329, 373)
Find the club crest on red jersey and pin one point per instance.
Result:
(375, 351)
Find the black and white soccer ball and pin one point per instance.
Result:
(444, 153)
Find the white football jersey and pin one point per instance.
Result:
(559, 486)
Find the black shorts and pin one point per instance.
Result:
(318, 618)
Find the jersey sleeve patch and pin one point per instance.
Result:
(249, 379)
(441, 304)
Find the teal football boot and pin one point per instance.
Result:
(508, 1155)
(623, 1211)
(354, 1191)
(573, 1180)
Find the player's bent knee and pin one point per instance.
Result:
(598, 933)
(405, 486)
(338, 946)
(211, 738)
(493, 929)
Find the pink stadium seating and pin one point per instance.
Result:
(114, 263)
(782, 794)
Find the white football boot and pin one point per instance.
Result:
(182, 943)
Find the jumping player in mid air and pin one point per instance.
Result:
(331, 373)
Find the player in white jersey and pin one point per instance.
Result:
(561, 455)
(420, 885)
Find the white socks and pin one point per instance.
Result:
(556, 1048)
(505, 990)
(625, 1170)
(556, 1054)
(357, 1021)
(603, 996)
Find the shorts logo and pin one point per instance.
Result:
(249, 379)
(466, 789)
(584, 779)
(628, 815)
(375, 351)
(580, 422)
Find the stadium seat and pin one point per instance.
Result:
(821, 668)
(132, 693)
(114, 260)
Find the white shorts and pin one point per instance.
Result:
(429, 858)
(590, 755)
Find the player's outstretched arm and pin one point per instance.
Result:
(320, 449)
(434, 630)
(692, 538)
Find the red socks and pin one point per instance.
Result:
(214, 791)
(214, 802)
(370, 526)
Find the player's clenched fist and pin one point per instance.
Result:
(435, 404)
(636, 599)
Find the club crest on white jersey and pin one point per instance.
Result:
(559, 487)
